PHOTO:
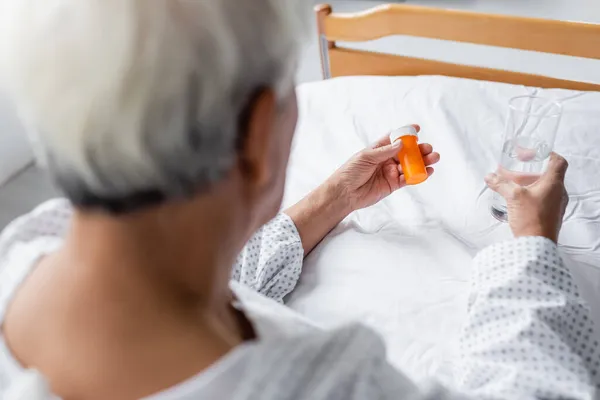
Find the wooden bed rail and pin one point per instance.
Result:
(547, 36)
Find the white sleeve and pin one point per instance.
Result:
(529, 333)
(271, 262)
(49, 220)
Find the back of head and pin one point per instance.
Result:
(135, 102)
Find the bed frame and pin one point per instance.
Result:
(547, 36)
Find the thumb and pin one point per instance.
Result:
(557, 169)
(503, 187)
(383, 153)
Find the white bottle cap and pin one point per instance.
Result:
(403, 131)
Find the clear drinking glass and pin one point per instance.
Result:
(531, 127)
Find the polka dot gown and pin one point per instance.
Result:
(529, 334)
(271, 262)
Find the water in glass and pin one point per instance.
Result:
(523, 160)
(530, 131)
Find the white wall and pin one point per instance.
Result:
(15, 153)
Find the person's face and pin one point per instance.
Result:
(265, 154)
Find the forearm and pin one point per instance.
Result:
(271, 262)
(529, 334)
(318, 213)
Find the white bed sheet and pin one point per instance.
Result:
(403, 266)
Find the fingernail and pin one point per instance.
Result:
(396, 144)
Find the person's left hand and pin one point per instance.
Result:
(374, 173)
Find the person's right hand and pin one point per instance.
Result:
(537, 209)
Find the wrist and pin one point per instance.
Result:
(536, 232)
(318, 213)
(337, 198)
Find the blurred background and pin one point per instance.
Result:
(23, 186)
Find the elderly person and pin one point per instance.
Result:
(167, 124)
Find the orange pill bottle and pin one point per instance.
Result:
(410, 156)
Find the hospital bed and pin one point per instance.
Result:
(403, 266)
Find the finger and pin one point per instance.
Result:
(381, 142)
(557, 168)
(425, 148)
(381, 154)
(503, 187)
(432, 158)
(565, 198)
(401, 181)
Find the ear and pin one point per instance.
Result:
(257, 134)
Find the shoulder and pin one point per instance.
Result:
(21, 242)
(296, 357)
(283, 326)
(316, 365)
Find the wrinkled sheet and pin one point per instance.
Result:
(403, 266)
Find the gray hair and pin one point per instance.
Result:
(136, 101)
